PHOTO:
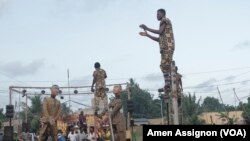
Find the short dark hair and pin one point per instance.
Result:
(162, 11)
(97, 65)
(55, 86)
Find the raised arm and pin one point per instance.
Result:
(153, 38)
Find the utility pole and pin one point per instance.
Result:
(26, 111)
(68, 88)
(221, 99)
(174, 95)
(240, 101)
(129, 113)
(19, 110)
(162, 121)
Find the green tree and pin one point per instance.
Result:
(191, 110)
(2, 117)
(211, 104)
(144, 104)
(155, 108)
(36, 105)
(65, 111)
(246, 110)
(142, 101)
(35, 112)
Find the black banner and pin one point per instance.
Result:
(196, 132)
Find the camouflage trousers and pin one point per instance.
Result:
(100, 92)
(166, 60)
(98, 100)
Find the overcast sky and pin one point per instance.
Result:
(40, 40)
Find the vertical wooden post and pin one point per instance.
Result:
(129, 114)
(174, 94)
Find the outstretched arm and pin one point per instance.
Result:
(160, 31)
(149, 36)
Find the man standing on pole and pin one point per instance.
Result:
(99, 77)
(166, 42)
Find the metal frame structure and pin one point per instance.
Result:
(77, 90)
(84, 90)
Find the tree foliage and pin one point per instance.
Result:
(191, 110)
(246, 110)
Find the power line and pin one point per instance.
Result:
(213, 71)
(234, 76)
(12, 78)
(191, 87)
(194, 73)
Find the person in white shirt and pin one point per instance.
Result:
(82, 135)
(72, 136)
(92, 136)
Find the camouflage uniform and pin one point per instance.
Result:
(51, 110)
(117, 118)
(167, 46)
(100, 86)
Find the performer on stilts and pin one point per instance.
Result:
(166, 42)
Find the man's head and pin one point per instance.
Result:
(72, 129)
(82, 112)
(59, 131)
(54, 90)
(97, 65)
(91, 129)
(117, 89)
(160, 14)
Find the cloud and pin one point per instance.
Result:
(230, 78)
(207, 83)
(227, 79)
(244, 82)
(242, 45)
(18, 68)
(70, 7)
(3, 4)
(205, 86)
(156, 77)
